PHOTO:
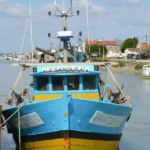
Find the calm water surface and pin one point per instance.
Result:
(136, 133)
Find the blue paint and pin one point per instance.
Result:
(80, 111)
(51, 112)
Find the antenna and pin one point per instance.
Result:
(55, 3)
(63, 6)
(71, 8)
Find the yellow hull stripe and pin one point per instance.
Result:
(46, 97)
(81, 96)
(74, 144)
(86, 96)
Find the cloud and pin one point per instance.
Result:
(103, 20)
(113, 23)
(97, 8)
(83, 3)
(2, 1)
(13, 10)
(122, 2)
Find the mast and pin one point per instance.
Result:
(64, 35)
(31, 30)
(88, 24)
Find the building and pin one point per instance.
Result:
(112, 46)
(132, 51)
(141, 47)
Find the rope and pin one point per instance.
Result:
(19, 107)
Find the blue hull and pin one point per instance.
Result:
(78, 117)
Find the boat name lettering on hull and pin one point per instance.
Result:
(65, 69)
(27, 121)
(106, 120)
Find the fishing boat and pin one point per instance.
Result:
(68, 110)
(145, 71)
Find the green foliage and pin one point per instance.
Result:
(72, 48)
(101, 49)
(122, 63)
(86, 48)
(139, 66)
(115, 66)
(106, 59)
(147, 53)
(129, 43)
(96, 48)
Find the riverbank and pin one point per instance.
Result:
(129, 67)
(126, 66)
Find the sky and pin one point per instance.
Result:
(108, 20)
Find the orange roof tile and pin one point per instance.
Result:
(143, 46)
(107, 43)
(133, 49)
(91, 42)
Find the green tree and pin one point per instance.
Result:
(135, 42)
(147, 53)
(101, 49)
(129, 43)
(86, 48)
(96, 48)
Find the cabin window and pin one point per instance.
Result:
(88, 82)
(57, 83)
(42, 84)
(73, 83)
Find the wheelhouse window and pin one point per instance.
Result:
(73, 83)
(42, 84)
(57, 83)
(89, 83)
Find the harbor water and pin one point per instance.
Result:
(136, 133)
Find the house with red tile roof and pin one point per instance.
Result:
(132, 51)
(112, 46)
(141, 47)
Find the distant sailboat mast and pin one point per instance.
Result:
(88, 24)
(31, 29)
(24, 36)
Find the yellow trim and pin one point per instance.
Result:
(86, 96)
(46, 97)
(74, 144)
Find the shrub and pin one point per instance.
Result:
(122, 63)
(115, 66)
(139, 66)
(106, 59)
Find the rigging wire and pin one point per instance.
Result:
(24, 36)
